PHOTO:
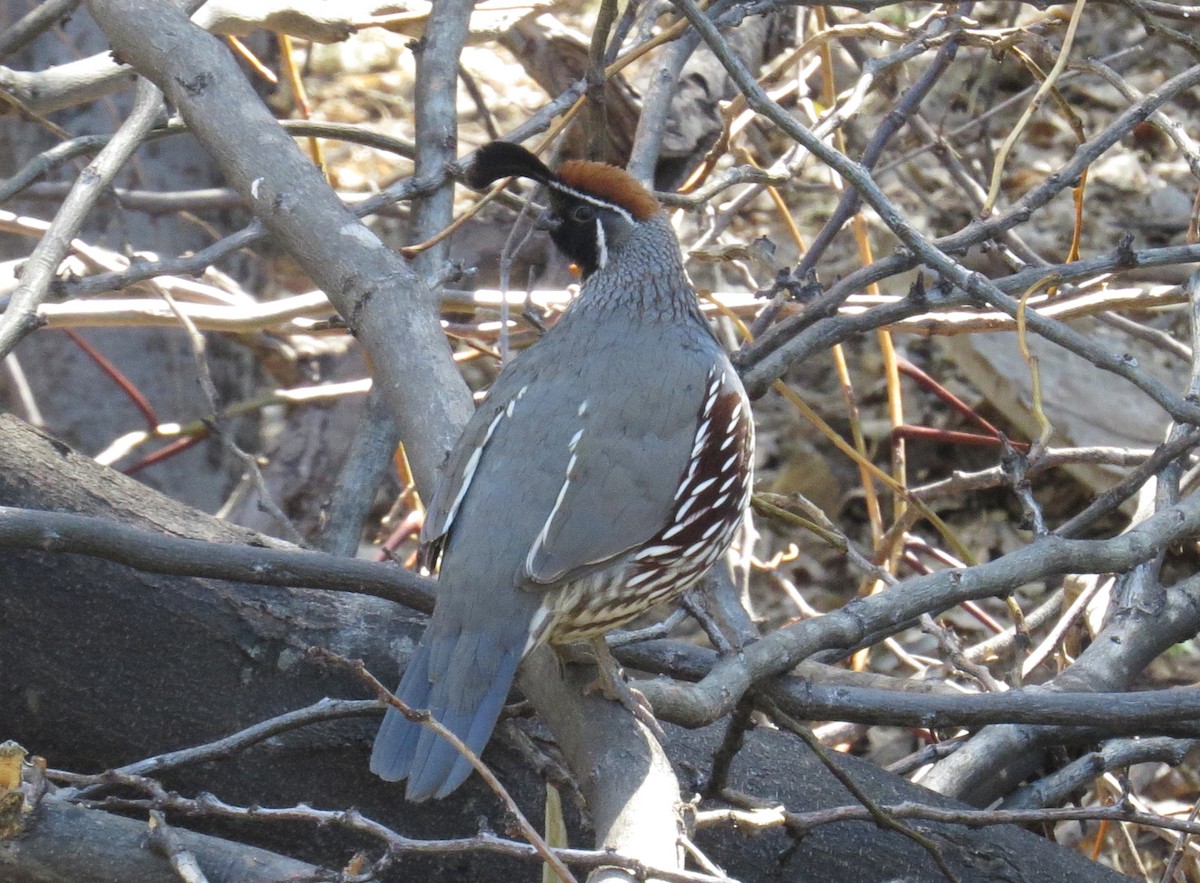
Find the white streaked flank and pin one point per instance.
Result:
(655, 550)
(537, 629)
(672, 531)
(640, 578)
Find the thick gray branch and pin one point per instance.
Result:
(862, 621)
(71, 844)
(154, 552)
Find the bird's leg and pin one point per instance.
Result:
(610, 681)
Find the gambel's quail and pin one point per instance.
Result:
(606, 470)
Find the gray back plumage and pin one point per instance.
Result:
(637, 381)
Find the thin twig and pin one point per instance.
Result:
(880, 815)
(21, 317)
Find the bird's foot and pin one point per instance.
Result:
(611, 683)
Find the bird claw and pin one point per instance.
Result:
(610, 682)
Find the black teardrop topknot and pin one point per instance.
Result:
(501, 159)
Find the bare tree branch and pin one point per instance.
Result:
(385, 304)
(21, 315)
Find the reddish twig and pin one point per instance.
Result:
(118, 377)
(953, 437)
(166, 452)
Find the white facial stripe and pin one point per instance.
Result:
(601, 246)
(591, 200)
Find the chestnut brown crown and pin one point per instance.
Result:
(594, 206)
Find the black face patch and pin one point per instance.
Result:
(579, 241)
(587, 229)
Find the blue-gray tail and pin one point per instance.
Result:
(463, 680)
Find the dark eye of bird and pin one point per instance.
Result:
(582, 214)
